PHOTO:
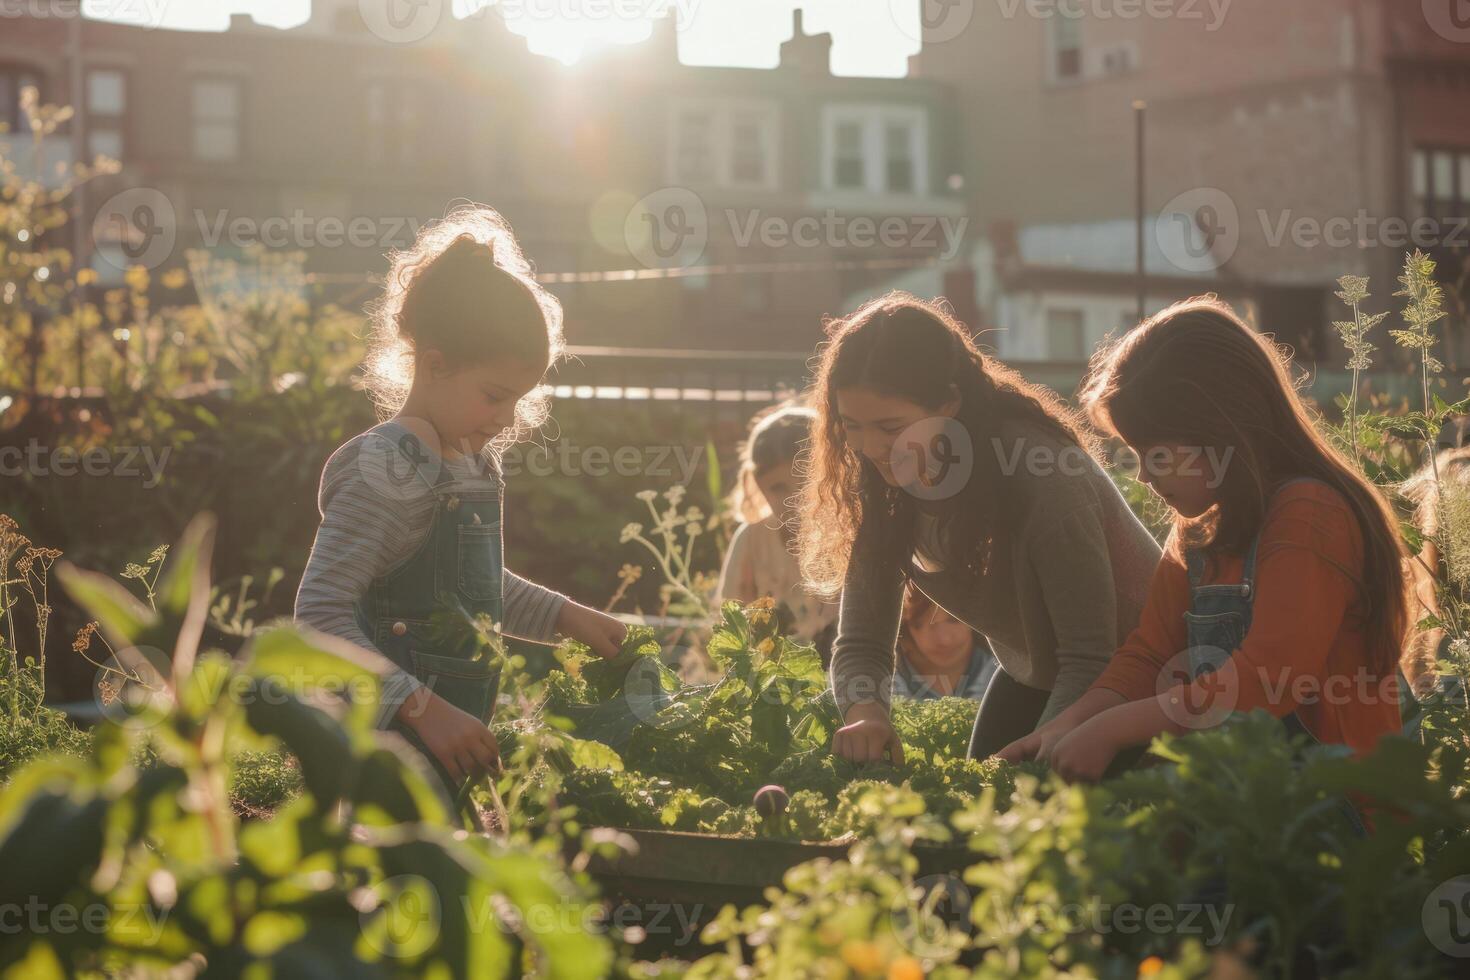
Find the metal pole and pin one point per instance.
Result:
(81, 257)
(1140, 113)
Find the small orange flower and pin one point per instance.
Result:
(905, 968)
(1150, 966)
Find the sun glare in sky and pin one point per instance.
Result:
(870, 37)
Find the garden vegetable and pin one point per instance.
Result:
(771, 801)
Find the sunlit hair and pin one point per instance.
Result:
(777, 436)
(466, 289)
(903, 347)
(1197, 375)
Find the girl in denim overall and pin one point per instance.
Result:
(1283, 576)
(420, 613)
(408, 561)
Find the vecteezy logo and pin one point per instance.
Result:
(1199, 696)
(400, 466)
(939, 20)
(1446, 917)
(130, 688)
(1450, 19)
(401, 21)
(934, 458)
(667, 229)
(403, 917)
(1199, 230)
(135, 227)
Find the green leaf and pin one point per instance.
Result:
(319, 742)
(318, 663)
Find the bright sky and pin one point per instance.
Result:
(870, 37)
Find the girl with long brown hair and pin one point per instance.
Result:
(1282, 585)
(934, 464)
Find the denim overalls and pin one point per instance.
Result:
(1218, 619)
(420, 612)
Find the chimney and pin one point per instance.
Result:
(809, 54)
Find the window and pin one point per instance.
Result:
(848, 165)
(1066, 47)
(107, 103)
(694, 143)
(726, 144)
(1065, 338)
(900, 153)
(392, 122)
(216, 107)
(1440, 180)
(14, 78)
(880, 149)
(748, 151)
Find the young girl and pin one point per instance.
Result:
(935, 464)
(410, 539)
(937, 654)
(1282, 585)
(760, 561)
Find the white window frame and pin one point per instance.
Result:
(873, 120)
(722, 114)
(110, 122)
(195, 118)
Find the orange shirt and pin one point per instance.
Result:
(1306, 650)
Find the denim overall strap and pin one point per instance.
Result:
(1219, 615)
(1218, 619)
(423, 613)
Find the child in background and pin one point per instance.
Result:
(761, 561)
(410, 538)
(1282, 584)
(938, 655)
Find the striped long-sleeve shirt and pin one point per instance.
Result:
(368, 528)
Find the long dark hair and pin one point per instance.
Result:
(1198, 375)
(903, 347)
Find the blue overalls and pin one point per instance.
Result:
(1218, 619)
(421, 612)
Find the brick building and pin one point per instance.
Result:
(1287, 144)
(297, 137)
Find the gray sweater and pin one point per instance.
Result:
(1067, 581)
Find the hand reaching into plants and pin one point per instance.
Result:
(602, 634)
(1084, 754)
(868, 735)
(1041, 743)
(462, 743)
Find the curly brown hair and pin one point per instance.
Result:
(901, 346)
(464, 288)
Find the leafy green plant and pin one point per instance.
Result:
(691, 756)
(338, 879)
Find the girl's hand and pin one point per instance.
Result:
(1028, 747)
(867, 735)
(1084, 753)
(1040, 744)
(461, 742)
(602, 633)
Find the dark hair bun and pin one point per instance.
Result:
(464, 304)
